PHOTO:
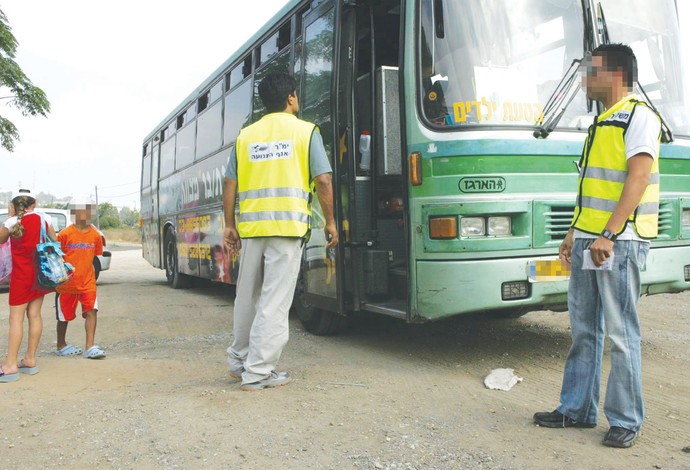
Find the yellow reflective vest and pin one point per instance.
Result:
(604, 169)
(273, 177)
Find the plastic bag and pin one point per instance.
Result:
(5, 261)
(52, 268)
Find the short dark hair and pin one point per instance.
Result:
(274, 90)
(619, 56)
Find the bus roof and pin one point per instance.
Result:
(289, 6)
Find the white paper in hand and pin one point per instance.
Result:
(587, 262)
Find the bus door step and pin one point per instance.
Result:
(397, 309)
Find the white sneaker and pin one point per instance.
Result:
(276, 379)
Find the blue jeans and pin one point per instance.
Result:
(597, 299)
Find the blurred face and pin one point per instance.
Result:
(82, 214)
(597, 80)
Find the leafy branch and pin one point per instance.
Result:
(23, 94)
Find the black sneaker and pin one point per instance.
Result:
(619, 437)
(556, 419)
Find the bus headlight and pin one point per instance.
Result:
(499, 226)
(686, 217)
(472, 227)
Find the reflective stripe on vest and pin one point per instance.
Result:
(273, 177)
(604, 172)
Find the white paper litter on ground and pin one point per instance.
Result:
(501, 379)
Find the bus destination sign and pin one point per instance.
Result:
(482, 184)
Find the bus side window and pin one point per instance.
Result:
(209, 132)
(184, 148)
(238, 107)
(167, 162)
(239, 73)
(273, 45)
(146, 167)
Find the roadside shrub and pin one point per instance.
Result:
(109, 221)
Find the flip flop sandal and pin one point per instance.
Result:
(69, 350)
(94, 352)
(26, 369)
(5, 378)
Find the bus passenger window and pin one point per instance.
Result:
(269, 49)
(203, 102)
(167, 158)
(146, 171)
(215, 93)
(209, 127)
(298, 21)
(284, 37)
(239, 73)
(238, 107)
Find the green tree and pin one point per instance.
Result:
(106, 209)
(129, 217)
(23, 95)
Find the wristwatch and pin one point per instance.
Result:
(609, 235)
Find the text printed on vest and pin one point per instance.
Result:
(264, 151)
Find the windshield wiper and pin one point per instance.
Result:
(565, 92)
(666, 134)
(559, 101)
(567, 88)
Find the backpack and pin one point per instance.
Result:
(52, 268)
(5, 260)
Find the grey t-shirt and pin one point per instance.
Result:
(318, 160)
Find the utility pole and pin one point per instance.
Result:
(98, 222)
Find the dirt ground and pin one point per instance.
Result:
(414, 396)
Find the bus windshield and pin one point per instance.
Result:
(651, 29)
(496, 62)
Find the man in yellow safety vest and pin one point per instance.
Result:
(271, 170)
(615, 217)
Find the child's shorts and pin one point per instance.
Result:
(66, 305)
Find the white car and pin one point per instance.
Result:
(61, 219)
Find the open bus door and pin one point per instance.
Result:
(319, 295)
(368, 270)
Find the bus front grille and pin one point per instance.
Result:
(557, 221)
(668, 228)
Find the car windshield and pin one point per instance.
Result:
(497, 62)
(59, 220)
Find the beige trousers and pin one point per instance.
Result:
(265, 287)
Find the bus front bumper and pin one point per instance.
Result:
(448, 288)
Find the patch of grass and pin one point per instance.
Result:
(124, 234)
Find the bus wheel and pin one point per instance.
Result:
(176, 279)
(315, 320)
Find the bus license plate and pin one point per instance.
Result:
(541, 270)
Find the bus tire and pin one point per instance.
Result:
(175, 278)
(316, 320)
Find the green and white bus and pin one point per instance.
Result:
(445, 200)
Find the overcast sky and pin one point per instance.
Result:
(112, 71)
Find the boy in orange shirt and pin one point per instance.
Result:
(80, 242)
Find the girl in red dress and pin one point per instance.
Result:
(26, 295)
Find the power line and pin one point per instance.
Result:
(121, 195)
